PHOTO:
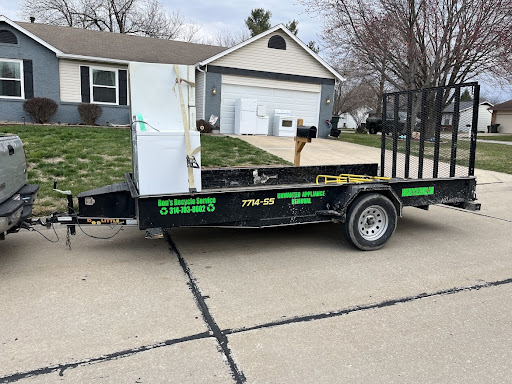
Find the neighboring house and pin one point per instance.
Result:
(353, 119)
(466, 116)
(502, 115)
(346, 121)
(71, 66)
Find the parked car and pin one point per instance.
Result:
(16, 196)
(374, 123)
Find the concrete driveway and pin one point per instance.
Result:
(280, 305)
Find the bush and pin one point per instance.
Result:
(40, 109)
(89, 113)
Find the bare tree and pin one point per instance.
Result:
(417, 44)
(362, 89)
(138, 17)
(421, 43)
(356, 96)
(227, 38)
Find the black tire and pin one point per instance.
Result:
(371, 221)
(372, 130)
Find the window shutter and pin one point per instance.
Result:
(28, 79)
(123, 91)
(84, 84)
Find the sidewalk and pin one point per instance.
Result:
(495, 142)
(330, 151)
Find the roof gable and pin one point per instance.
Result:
(281, 29)
(29, 34)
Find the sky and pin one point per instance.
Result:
(229, 15)
(223, 15)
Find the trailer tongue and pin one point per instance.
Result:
(365, 200)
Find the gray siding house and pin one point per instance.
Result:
(73, 66)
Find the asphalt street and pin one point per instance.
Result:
(277, 305)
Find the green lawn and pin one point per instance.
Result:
(489, 156)
(83, 158)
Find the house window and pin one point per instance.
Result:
(11, 79)
(104, 86)
(7, 37)
(277, 42)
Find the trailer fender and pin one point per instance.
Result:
(338, 211)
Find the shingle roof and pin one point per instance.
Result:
(506, 106)
(75, 41)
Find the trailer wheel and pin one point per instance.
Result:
(371, 221)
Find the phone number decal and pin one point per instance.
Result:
(187, 206)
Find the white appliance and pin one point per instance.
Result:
(160, 162)
(261, 120)
(262, 125)
(245, 116)
(284, 123)
(154, 94)
(158, 133)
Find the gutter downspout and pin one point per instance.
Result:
(198, 67)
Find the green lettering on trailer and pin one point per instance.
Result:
(187, 206)
(419, 191)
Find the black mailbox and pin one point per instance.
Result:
(308, 132)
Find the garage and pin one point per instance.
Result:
(505, 121)
(277, 70)
(302, 99)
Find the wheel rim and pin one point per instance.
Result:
(373, 222)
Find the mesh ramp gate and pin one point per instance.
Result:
(429, 133)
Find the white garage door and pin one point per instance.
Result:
(303, 100)
(505, 121)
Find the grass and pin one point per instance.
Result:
(496, 138)
(223, 151)
(489, 156)
(84, 158)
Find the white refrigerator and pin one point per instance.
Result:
(158, 133)
(160, 162)
(245, 116)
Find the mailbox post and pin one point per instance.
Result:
(304, 135)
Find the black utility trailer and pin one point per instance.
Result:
(426, 167)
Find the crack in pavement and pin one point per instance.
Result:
(221, 335)
(359, 308)
(222, 339)
(100, 359)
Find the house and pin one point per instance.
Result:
(466, 116)
(502, 115)
(353, 119)
(73, 66)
